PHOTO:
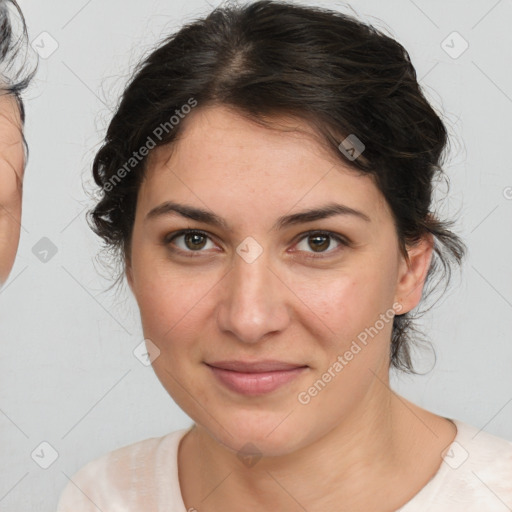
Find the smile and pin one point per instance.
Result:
(253, 382)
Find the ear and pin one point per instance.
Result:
(412, 273)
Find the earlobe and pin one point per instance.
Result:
(414, 272)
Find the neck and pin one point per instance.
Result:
(352, 467)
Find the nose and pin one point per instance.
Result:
(254, 301)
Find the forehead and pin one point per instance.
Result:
(221, 135)
(223, 156)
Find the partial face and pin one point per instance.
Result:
(11, 177)
(263, 284)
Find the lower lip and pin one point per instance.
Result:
(255, 383)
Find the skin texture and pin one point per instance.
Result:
(356, 434)
(12, 165)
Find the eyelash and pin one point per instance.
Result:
(193, 254)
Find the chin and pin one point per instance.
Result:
(268, 434)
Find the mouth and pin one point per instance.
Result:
(255, 378)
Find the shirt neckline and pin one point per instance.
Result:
(427, 492)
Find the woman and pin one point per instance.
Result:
(267, 182)
(15, 75)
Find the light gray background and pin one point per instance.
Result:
(68, 375)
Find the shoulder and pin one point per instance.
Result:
(485, 461)
(475, 475)
(481, 451)
(126, 478)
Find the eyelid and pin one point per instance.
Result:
(171, 236)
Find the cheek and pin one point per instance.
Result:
(347, 303)
(333, 301)
(171, 302)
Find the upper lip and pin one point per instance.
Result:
(268, 365)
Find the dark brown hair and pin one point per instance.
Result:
(265, 58)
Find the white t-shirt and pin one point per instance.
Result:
(475, 476)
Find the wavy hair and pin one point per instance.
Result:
(268, 57)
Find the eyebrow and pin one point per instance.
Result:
(201, 215)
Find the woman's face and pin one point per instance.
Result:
(255, 287)
(12, 162)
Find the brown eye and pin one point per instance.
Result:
(188, 242)
(320, 242)
(194, 240)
